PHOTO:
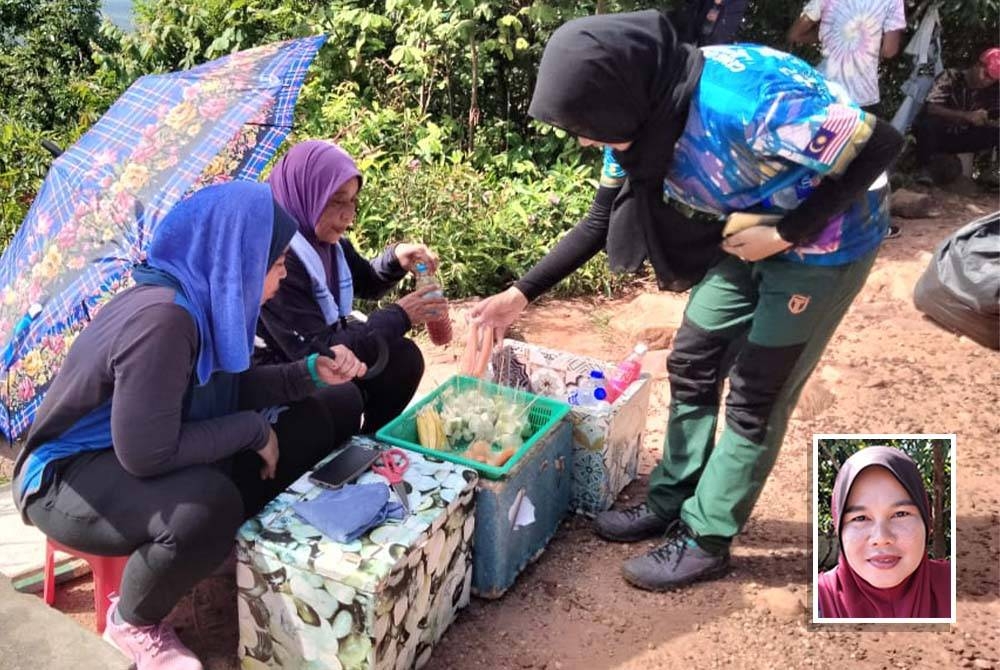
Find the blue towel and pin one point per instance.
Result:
(344, 515)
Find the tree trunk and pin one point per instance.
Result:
(474, 101)
(940, 550)
(600, 6)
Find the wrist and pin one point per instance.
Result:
(313, 372)
(516, 296)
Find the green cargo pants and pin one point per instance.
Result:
(787, 313)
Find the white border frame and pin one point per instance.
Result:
(815, 525)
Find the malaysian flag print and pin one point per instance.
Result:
(835, 133)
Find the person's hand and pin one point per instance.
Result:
(978, 117)
(269, 454)
(422, 307)
(409, 255)
(499, 311)
(755, 243)
(341, 369)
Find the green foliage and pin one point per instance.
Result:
(833, 453)
(45, 60)
(443, 82)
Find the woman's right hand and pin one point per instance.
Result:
(421, 307)
(499, 311)
(269, 454)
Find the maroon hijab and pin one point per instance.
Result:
(844, 594)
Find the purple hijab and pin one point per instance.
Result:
(303, 182)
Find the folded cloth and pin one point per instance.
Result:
(347, 513)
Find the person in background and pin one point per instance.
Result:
(853, 36)
(148, 443)
(735, 132)
(960, 114)
(317, 183)
(706, 22)
(882, 515)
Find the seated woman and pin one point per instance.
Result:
(147, 444)
(317, 183)
(883, 519)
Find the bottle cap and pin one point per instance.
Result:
(641, 348)
(596, 374)
(421, 268)
(600, 393)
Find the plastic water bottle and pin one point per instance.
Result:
(626, 372)
(591, 391)
(439, 329)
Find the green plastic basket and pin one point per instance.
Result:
(544, 414)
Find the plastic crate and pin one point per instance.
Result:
(544, 414)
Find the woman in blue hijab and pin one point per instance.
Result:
(149, 442)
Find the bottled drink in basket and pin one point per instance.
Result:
(626, 372)
(439, 329)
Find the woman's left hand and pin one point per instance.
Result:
(755, 243)
(341, 369)
(409, 255)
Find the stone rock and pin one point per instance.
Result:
(782, 603)
(963, 186)
(982, 664)
(652, 318)
(909, 204)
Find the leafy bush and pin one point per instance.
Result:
(443, 82)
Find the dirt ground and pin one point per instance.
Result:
(887, 370)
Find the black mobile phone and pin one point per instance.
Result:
(345, 467)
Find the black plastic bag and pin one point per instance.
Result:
(961, 287)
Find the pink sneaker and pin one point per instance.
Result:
(150, 647)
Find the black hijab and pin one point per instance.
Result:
(625, 78)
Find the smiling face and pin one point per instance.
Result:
(882, 533)
(338, 215)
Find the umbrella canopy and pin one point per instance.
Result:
(167, 136)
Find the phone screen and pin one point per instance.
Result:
(345, 467)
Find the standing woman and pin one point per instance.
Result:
(317, 183)
(726, 130)
(882, 514)
(147, 444)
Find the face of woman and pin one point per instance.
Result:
(338, 215)
(882, 533)
(273, 279)
(617, 146)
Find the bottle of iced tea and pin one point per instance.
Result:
(439, 329)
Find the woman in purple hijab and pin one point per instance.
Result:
(317, 183)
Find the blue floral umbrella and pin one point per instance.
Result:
(167, 136)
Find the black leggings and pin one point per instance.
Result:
(178, 527)
(939, 136)
(387, 394)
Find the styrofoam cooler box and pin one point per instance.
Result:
(606, 439)
(306, 602)
(517, 515)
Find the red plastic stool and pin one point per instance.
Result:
(107, 572)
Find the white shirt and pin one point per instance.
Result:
(850, 35)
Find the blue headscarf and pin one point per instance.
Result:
(215, 249)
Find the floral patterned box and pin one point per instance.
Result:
(606, 441)
(306, 602)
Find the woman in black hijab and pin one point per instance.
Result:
(747, 135)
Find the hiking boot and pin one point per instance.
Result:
(630, 524)
(676, 562)
(154, 647)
